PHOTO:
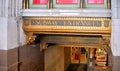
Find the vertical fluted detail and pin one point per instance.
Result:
(14, 7)
(108, 4)
(2, 8)
(9, 8)
(25, 4)
(81, 3)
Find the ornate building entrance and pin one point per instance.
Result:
(87, 38)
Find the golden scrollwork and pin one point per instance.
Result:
(106, 44)
(30, 38)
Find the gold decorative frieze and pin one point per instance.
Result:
(66, 24)
(106, 43)
(88, 23)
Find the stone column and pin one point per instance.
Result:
(9, 34)
(115, 39)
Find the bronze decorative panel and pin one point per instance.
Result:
(66, 25)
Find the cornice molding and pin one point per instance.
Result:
(67, 12)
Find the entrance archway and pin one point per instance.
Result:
(90, 52)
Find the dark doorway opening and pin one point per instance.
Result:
(77, 67)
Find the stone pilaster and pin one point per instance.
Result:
(9, 34)
(115, 39)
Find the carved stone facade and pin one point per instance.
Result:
(3, 8)
(115, 39)
(10, 8)
(9, 30)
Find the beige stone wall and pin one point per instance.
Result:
(54, 59)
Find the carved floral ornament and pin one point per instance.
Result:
(106, 44)
(30, 38)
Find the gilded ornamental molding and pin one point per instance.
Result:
(66, 25)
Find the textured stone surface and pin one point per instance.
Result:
(54, 59)
(3, 33)
(116, 63)
(115, 37)
(68, 12)
(31, 58)
(9, 60)
(3, 58)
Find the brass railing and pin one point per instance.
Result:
(108, 4)
(50, 4)
(25, 4)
